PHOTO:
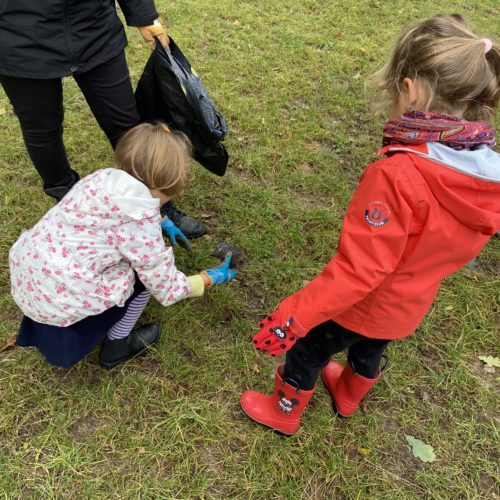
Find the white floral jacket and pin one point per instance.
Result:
(80, 258)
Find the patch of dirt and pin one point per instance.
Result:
(488, 267)
(187, 355)
(148, 365)
(28, 428)
(86, 426)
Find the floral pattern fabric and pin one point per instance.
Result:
(79, 259)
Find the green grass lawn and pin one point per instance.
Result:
(289, 78)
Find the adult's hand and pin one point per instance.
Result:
(155, 30)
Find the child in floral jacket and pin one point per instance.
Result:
(87, 269)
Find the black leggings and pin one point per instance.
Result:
(39, 107)
(311, 353)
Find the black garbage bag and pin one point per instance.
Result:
(170, 91)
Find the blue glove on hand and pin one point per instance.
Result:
(175, 235)
(223, 273)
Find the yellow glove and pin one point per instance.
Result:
(155, 30)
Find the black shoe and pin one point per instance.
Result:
(114, 352)
(59, 192)
(191, 227)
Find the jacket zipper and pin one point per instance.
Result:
(67, 33)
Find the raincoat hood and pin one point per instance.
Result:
(466, 182)
(111, 196)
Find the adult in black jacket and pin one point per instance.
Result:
(43, 41)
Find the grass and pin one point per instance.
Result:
(288, 77)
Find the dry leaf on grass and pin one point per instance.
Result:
(364, 452)
(354, 452)
(9, 344)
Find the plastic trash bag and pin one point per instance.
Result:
(169, 90)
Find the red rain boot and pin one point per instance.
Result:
(346, 387)
(281, 411)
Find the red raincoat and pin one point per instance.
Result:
(414, 219)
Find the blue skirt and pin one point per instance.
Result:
(65, 346)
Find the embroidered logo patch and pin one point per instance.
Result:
(378, 213)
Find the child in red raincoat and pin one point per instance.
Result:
(419, 214)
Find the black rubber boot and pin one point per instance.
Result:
(191, 227)
(59, 192)
(114, 352)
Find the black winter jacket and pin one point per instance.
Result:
(54, 38)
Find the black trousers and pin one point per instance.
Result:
(39, 107)
(311, 353)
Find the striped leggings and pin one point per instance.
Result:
(122, 328)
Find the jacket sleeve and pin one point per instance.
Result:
(374, 236)
(138, 12)
(143, 246)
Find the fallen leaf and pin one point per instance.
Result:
(352, 451)
(421, 450)
(256, 369)
(490, 361)
(206, 216)
(364, 452)
(449, 308)
(9, 344)
(141, 450)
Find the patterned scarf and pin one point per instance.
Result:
(417, 127)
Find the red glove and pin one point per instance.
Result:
(277, 335)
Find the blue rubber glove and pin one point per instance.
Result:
(175, 235)
(223, 273)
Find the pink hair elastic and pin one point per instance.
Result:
(487, 45)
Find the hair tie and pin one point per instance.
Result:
(165, 128)
(487, 45)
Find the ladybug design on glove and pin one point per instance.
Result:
(279, 333)
(276, 336)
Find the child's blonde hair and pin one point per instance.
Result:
(155, 155)
(459, 76)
